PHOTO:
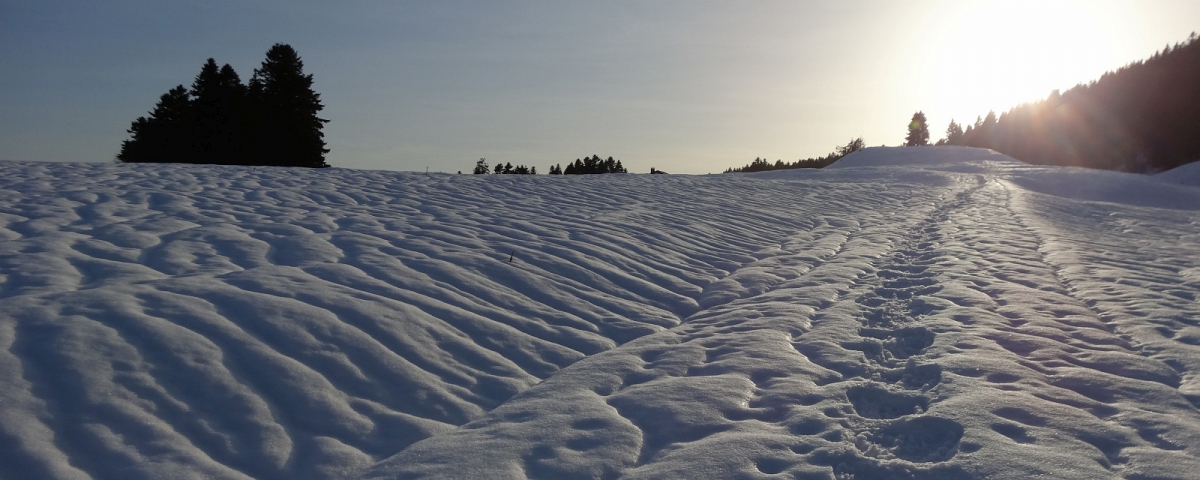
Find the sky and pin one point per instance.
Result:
(683, 86)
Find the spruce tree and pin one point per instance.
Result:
(216, 120)
(954, 133)
(918, 131)
(288, 129)
(161, 136)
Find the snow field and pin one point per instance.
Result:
(950, 315)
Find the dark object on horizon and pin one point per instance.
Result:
(272, 121)
(594, 165)
(655, 171)
(761, 164)
(481, 168)
(918, 131)
(1144, 117)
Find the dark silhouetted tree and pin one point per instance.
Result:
(288, 128)
(1142, 117)
(481, 167)
(851, 147)
(161, 137)
(272, 122)
(217, 117)
(761, 164)
(918, 131)
(594, 165)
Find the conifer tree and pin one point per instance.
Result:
(954, 133)
(161, 136)
(481, 167)
(289, 130)
(216, 117)
(918, 131)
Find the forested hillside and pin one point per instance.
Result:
(1142, 117)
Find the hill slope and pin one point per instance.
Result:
(956, 318)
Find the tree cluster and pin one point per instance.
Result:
(481, 168)
(1143, 117)
(589, 165)
(271, 121)
(761, 164)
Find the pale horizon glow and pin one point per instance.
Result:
(684, 86)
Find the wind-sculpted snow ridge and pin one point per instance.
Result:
(199, 321)
(961, 316)
(968, 334)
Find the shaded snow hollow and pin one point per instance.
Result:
(911, 313)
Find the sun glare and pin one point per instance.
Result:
(997, 54)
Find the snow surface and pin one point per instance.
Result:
(1184, 174)
(909, 313)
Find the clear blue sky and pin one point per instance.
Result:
(686, 86)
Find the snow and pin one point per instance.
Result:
(907, 313)
(1188, 174)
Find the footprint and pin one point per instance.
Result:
(872, 401)
(914, 376)
(811, 426)
(772, 466)
(920, 439)
(904, 342)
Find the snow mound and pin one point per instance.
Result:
(175, 321)
(919, 156)
(1184, 175)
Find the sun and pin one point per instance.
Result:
(995, 55)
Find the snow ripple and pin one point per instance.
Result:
(939, 321)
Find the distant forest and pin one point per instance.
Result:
(1144, 117)
(271, 121)
(582, 166)
(761, 164)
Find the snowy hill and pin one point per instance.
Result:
(919, 156)
(1187, 174)
(913, 313)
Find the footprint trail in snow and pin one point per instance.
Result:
(913, 313)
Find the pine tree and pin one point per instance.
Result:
(851, 147)
(289, 131)
(918, 131)
(216, 119)
(161, 136)
(481, 167)
(954, 133)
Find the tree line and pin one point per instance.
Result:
(582, 166)
(1143, 117)
(761, 164)
(270, 121)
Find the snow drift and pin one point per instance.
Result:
(914, 313)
